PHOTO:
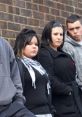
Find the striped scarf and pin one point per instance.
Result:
(30, 64)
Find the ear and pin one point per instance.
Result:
(81, 31)
(68, 32)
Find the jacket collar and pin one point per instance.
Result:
(55, 53)
(71, 40)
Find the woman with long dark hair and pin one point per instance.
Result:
(61, 69)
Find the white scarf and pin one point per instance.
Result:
(30, 64)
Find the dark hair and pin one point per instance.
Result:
(73, 18)
(22, 39)
(46, 34)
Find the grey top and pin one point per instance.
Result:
(10, 82)
(75, 50)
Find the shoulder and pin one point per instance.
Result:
(4, 42)
(69, 48)
(68, 45)
(48, 53)
(44, 51)
(20, 64)
(6, 48)
(5, 45)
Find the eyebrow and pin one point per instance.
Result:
(74, 28)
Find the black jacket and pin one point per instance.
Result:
(62, 72)
(37, 100)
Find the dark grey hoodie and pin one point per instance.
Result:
(75, 50)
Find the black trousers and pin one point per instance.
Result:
(16, 109)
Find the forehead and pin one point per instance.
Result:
(57, 29)
(34, 39)
(75, 24)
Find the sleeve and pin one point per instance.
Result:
(21, 70)
(57, 87)
(15, 76)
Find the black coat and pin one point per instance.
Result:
(37, 100)
(65, 91)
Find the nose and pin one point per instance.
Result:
(59, 36)
(34, 46)
(75, 30)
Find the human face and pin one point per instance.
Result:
(31, 49)
(57, 37)
(74, 30)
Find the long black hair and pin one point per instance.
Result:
(46, 34)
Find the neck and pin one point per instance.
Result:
(53, 48)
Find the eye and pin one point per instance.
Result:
(30, 43)
(71, 29)
(36, 44)
(61, 34)
(55, 34)
(77, 27)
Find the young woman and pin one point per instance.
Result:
(36, 87)
(61, 69)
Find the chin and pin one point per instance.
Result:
(33, 56)
(77, 39)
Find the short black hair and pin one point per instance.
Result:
(73, 18)
(22, 39)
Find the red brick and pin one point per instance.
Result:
(18, 14)
(38, 15)
(37, 1)
(25, 12)
(34, 22)
(20, 19)
(43, 9)
(14, 10)
(13, 26)
(5, 16)
(8, 34)
(19, 3)
(3, 25)
(9, 2)
(3, 7)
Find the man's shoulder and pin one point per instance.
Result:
(67, 44)
(3, 41)
(69, 48)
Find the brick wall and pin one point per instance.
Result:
(17, 14)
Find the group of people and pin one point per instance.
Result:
(42, 78)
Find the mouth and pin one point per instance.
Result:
(34, 51)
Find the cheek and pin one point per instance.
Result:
(80, 31)
(37, 48)
(25, 50)
(70, 33)
(62, 38)
(53, 37)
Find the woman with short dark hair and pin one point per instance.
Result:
(35, 81)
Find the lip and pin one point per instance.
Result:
(76, 36)
(58, 41)
(34, 51)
